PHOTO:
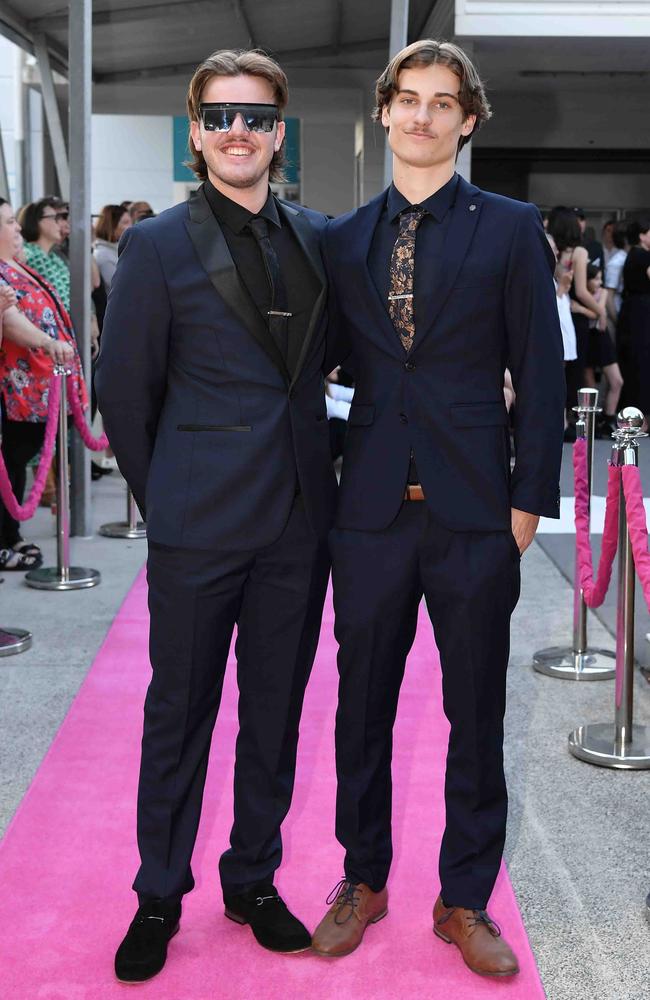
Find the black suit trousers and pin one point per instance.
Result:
(470, 581)
(275, 598)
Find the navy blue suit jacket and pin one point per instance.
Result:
(491, 304)
(207, 425)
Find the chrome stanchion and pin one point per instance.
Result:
(14, 640)
(623, 744)
(131, 528)
(579, 662)
(63, 576)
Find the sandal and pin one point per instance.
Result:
(18, 561)
(27, 548)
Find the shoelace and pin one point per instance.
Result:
(478, 917)
(344, 894)
(481, 917)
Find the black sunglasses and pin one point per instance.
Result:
(256, 117)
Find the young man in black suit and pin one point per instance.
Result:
(437, 287)
(210, 386)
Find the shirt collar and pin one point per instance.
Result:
(235, 216)
(437, 204)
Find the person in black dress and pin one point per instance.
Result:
(633, 331)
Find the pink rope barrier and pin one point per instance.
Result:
(636, 525)
(25, 511)
(593, 591)
(91, 442)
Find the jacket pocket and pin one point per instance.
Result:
(213, 427)
(361, 415)
(479, 414)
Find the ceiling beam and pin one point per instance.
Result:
(289, 56)
(419, 31)
(18, 30)
(134, 12)
(246, 22)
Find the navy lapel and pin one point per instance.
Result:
(462, 226)
(367, 219)
(309, 239)
(212, 249)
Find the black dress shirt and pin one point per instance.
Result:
(429, 250)
(297, 273)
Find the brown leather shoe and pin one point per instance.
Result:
(477, 937)
(342, 928)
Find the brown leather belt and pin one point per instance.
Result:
(414, 492)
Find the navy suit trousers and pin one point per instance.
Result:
(196, 597)
(470, 581)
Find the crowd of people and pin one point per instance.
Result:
(603, 296)
(36, 332)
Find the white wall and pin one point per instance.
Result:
(132, 159)
(8, 112)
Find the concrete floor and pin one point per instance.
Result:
(577, 837)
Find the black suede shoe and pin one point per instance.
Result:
(271, 922)
(143, 951)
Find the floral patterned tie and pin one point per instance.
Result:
(402, 268)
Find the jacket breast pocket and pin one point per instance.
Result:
(479, 414)
(213, 427)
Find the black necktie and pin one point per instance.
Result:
(278, 315)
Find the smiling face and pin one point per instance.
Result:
(238, 158)
(424, 118)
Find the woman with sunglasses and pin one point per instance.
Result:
(40, 222)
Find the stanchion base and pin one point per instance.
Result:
(14, 640)
(597, 745)
(592, 665)
(49, 578)
(122, 529)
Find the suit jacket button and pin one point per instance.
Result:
(403, 418)
(410, 366)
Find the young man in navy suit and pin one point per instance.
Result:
(211, 390)
(436, 288)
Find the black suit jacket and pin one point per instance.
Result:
(490, 305)
(206, 423)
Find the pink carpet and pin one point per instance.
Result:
(68, 858)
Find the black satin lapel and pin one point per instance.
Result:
(212, 249)
(461, 230)
(309, 239)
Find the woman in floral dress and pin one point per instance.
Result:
(36, 333)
